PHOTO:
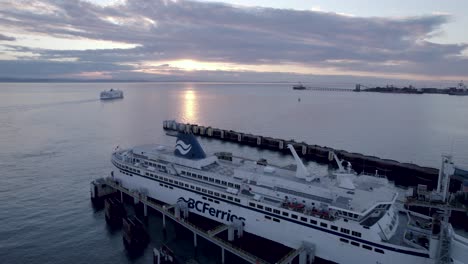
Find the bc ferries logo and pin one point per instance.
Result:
(204, 207)
(182, 147)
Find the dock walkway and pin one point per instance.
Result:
(196, 230)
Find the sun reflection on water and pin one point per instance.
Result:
(190, 105)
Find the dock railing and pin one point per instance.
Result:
(198, 231)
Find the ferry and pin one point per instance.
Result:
(348, 218)
(461, 90)
(111, 94)
(299, 86)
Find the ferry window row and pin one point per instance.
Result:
(155, 165)
(210, 200)
(348, 214)
(166, 186)
(209, 179)
(126, 173)
(272, 218)
(223, 196)
(126, 167)
(284, 213)
(182, 184)
(354, 243)
(237, 200)
(304, 219)
(353, 233)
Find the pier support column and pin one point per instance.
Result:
(156, 256)
(177, 212)
(164, 221)
(222, 255)
(121, 196)
(194, 239)
(231, 233)
(303, 257)
(145, 210)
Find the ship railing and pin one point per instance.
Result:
(412, 227)
(376, 175)
(422, 224)
(433, 204)
(118, 156)
(413, 239)
(221, 241)
(293, 207)
(309, 211)
(290, 253)
(324, 215)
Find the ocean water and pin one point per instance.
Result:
(56, 138)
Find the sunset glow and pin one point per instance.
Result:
(194, 65)
(235, 40)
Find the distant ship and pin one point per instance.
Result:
(111, 94)
(460, 90)
(349, 218)
(299, 87)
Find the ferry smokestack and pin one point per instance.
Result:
(187, 146)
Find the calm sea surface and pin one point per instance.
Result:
(56, 138)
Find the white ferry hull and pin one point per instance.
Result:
(328, 245)
(110, 98)
(111, 94)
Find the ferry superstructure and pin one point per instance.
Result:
(349, 218)
(111, 94)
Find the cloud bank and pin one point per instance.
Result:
(6, 38)
(220, 38)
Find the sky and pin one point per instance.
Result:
(355, 41)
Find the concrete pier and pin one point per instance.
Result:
(114, 212)
(393, 170)
(100, 191)
(134, 235)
